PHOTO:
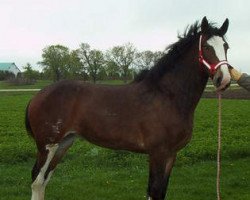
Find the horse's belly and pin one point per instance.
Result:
(114, 139)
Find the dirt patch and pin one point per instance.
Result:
(229, 94)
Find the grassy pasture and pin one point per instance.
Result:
(39, 84)
(42, 83)
(90, 172)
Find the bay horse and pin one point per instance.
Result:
(152, 115)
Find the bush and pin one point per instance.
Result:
(5, 75)
(21, 81)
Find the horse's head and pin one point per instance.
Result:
(213, 53)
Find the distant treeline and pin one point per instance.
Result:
(85, 63)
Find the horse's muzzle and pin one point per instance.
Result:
(222, 79)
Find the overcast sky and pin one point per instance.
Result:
(28, 26)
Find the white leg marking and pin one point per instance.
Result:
(38, 186)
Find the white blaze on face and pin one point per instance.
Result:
(217, 43)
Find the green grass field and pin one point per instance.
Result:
(90, 172)
(42, 83)
(38, 85)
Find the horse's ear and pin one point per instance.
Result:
(204, 25)
(224, 27)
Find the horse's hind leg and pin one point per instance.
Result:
(39, 171)
(46, 162)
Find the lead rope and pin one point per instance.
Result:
(219, 148)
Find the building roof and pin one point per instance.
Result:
(5, 66)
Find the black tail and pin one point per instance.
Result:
(27, 122)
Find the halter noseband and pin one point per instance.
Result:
(211, 67)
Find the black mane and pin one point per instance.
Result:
(174, 51)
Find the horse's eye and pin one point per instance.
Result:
(206, 47)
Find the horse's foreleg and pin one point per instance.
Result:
(160, 168)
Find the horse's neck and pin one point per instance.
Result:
(186, 83)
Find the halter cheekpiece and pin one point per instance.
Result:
(211, 67)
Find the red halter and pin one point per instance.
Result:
(211, 67)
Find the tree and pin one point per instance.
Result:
(92, 59)
(55, 61)
(30, 73)
(112, 70)
(123, 57)
(158, 55)
(147, 59)
(74, 66)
